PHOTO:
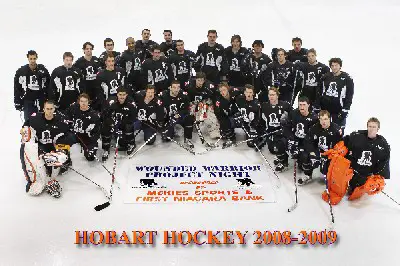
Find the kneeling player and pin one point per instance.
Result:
(176, 108)
(85, 124)
(46, 154)
(118, 118)
(322, 137)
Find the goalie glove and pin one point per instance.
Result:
(55, 158)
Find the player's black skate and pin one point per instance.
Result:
(131, 149)
(304, 180)
(54, 188)
(228, 143)
(281, 167)
(188, 143)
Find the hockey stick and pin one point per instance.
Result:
(390, 197)
(201, 136)
(106, 204)
(102, 188)
(144, 144)
(213, 146)
(329, 201)
(294, 206)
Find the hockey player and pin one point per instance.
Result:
(118, 119)
(110, 79)
(65, 83)
(31, 83)
(89, 66)
(320, 138)
(157, 71)
(281, 74)
(297, 54)
(150, 113)
(182, 63)
(109, 46)
(235, 56)
(337, 92)
(369, 154)
(308, 77)
(131, 62)
(256, 64)
(145, 45)
(225, 108)
(295, 130)
(274, 113)
(169, 46)
(176, 108)
(85, 124)
(47, 154)
(210, 59)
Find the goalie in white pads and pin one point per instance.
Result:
(44, 152)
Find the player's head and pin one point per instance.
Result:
(167, 35)
(297, 43)
(180, 46)
(258, 45)
(304, 105)
(83, 101)
(32, 57)
(273, 95)
(130, 43)
(48, 109)
(87, 48)
(156, 52)
(200, 79)
(373, 126)
(249, 92)
(109, 59)
(146, 34)
(224, 89)
(324, 119)
(312, 56)
(236, 41)
(108, 44)
(175, 88)
(121, 94)
(281, 53)
(335, 64)
(150, 91)
(68, 58)
(212, 36)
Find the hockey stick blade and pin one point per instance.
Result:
(292, 208)
(102, 206)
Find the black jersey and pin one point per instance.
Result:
(297, 126)
(337, 93)
(131, 62)
(84, 122)
(236, 63)
(280, 75)
(144, 48)
(89, 70)
(65, 86)
(151, 111)
(168, 48)
(224, 107)
(182, 65)
(319, 140)
(108, 82)
(256, 67)
(31, 85)
(249, 110)
(199, 94)
(102, 56)
(157, 73)
(120, 114)
(368, 156)
(271, 115)
(175, 105)
(210, 61)
(300, 56)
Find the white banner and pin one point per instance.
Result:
(198, 184)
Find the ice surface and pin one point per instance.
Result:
(40, 231)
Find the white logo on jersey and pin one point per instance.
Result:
(311, 79)
(159, 75)
(322, 143)
(210, 59)
(90, 75)
(173, 109)
(34, 83)
(235, 65)
(332, 90)
(138, 64)
(142, 114)
(78, 126)
(365, 159)
(300, 131)
(114, 86)
(46, 139)
(273, 120)
(69, 83)
(128, 67)
(182, 68)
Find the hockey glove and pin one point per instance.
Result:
(292, 149)
(316, 110)
(343, 114)
(18, 107)
(314, 161)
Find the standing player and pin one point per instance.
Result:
(235, 56)
(85, 124)
(157, 71)
(89, 66)
(309, 76)
(295, 130)
(145, 45)
(210, 58)
(321, 137)
(31, 83)
(169, 46)
(65, 83)
(297, 54)
(130, 61)
(337, 92)
(110, 79)
(118, 119)
(109, 46)
(182, 63)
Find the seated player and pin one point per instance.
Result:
(45, 151)
(86, 125)
(118, 119)
(176, 107)
(273, 114)
(321, 137)
(295, 130)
